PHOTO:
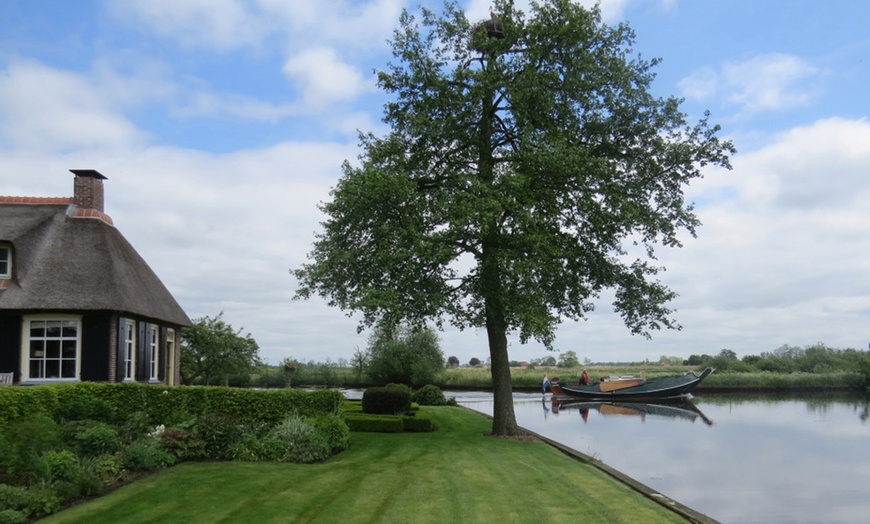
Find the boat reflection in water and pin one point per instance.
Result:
(679, 408)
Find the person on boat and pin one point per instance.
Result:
(584, 379)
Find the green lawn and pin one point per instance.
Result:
(455, 474)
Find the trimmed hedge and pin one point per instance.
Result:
(419, 423)
(160, 403)
(386, 401)
(375, 423)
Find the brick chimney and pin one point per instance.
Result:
(88, 189)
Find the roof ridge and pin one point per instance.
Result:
(35, 200)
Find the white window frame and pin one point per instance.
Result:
(128, 350)
(170, 356)
(5, 262)
(31, 354)
(153, 353)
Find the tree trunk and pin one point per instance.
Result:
(504, 420)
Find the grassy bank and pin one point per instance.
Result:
(724, 381)
(456, 474)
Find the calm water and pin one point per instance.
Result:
(739, 459)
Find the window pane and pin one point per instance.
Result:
(52, 369)
(68, 367)
(69, 349)
(52, 348)
(37, 328)
(36, 369)
(52, 328)
(69, 329)
(37, 349)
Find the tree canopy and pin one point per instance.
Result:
(526, 156)
(212, 349)
(404, 354)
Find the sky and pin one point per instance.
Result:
(221, 124)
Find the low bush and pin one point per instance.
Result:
(375, 423)
(220, 433)
(295, 440)
(386, 401)
(419, 423)
(97, 439)
(334, 428)
(182, 444)
(145, 456)
(12, 516)
(33, 502)
(431, 395)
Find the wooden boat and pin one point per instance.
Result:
(631, 388)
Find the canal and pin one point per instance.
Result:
(736, 458)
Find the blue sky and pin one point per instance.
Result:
(221, 124)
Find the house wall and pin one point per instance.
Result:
(96, 348)
(10, 344)
(99, 357)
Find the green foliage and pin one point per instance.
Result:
(33, 502)
(295, 440)
(402, 354)
(420, 422)
(514, 172)
(92, 438)
(334, 429)
(431, 395)
(62, 464)
(182, 444)
(375, 423)
(212, 350)
(145, 456)
(12, 516)
(386, 401)
(568, 359)
(220, 432)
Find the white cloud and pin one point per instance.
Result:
(221, 24)
(44, 108)
(766, 82)
(324, 78)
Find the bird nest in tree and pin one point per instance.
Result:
(489, 36)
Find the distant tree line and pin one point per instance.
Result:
(817, 358)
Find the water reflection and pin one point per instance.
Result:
(798, 458)
(682, 408)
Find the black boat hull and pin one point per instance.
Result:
(653, 389)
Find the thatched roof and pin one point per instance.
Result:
(65, 259)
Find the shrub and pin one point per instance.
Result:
(34, 502)
(107, 468)
(182, 444)
(61, 464)
(386, 401)
(143, 456)
(12, 516)
(295, 440)
(419, 423)
(335, 430)
(375, 423)
(431, 395)
(85, 408)
(219, 432)
(97, 439)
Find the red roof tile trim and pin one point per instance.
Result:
(92, 213)
(35, 200)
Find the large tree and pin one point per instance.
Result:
(526, 156)
(211, 348)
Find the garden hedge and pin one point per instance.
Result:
(159, 403)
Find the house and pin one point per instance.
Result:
(77, 302)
